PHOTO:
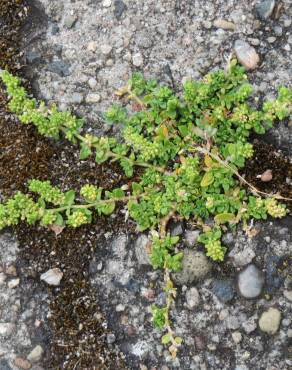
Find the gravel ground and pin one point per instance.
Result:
(231, 316)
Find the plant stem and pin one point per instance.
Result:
(226, 165)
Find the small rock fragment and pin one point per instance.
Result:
(236, 336)
(70, 20)
(105, 49)
(266, 176)
(13, 283)
(92, 46)
(137, 60)
(191, 237)
(107, 3)
(3, 277)
(271, 39)
(6, 328)
(225, 25)
(92, 98)
(52, 276)
(265, 9)
(250, 282)
(36, 354)
(269, 322)
(11, 270)
(288, 295)
(92, 83)
(192, 298)
(110, 338)
(246, 54)
(119, 8)
(141, 250)
(22, 363)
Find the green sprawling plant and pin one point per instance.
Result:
(192, 149)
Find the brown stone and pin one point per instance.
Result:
(22, 363)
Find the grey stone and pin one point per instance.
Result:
(137, 60)
(265, 9)
(60, 68)
(76, 98)
(224, 290)
(6, 329)
(111, 338)
(274, 279)
(141, 250)
(4, 365)
(241, 257)
(191, 237)
(288, 295)
(92, 83)
(106, 49)
(177, 229)
(36, 354)
(237, 337)
(70, 20)
(269, 321)
(250, 325)
(250, 282)
(271, 39)
(287, 23)
(119, 8)
(92, 98)
(195, 266)
(278, 30)
(232, 322)
(246, 54)
(192, 298)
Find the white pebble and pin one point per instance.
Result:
(52, 276)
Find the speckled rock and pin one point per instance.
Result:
(195, 266)
(192, 298)
(224, 290)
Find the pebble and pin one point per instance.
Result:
(232, 322)
(137, 60)
(207, 24)
(36, 354)
(3, 277)
(191, 237)
(288, 295)
(6, 328)
(237, 337)
(106, 49)
(119, 9)
(250, 282)
(278, 30)
(287, 47)
(250, 325)
(11, 270)
(13, 283)
(176, 229)
(22, 363)
(265, 9)
(246, 54)
(76, 98)
(269, 321)
(59, 67)
(107, 3)
(141, 250)
(92, 83)
(271, 39)
(224, 290)
(267, 176)
(110, 338)
(70, 20)
(92, 98)
(255, 42)
(287, 23)
(195, 266)
(92, 46)
(192, 298)
(225, 25)
(52, 276)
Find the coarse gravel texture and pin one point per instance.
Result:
(77, 54)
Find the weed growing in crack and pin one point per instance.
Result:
(192, 148)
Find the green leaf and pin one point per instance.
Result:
(207, 179)
(69, 198)
(85, 151)
(118, 193)
(178, 340)
(59, 220)
(166, 339)
(107, 208)
(224, 217)
(137, 188)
